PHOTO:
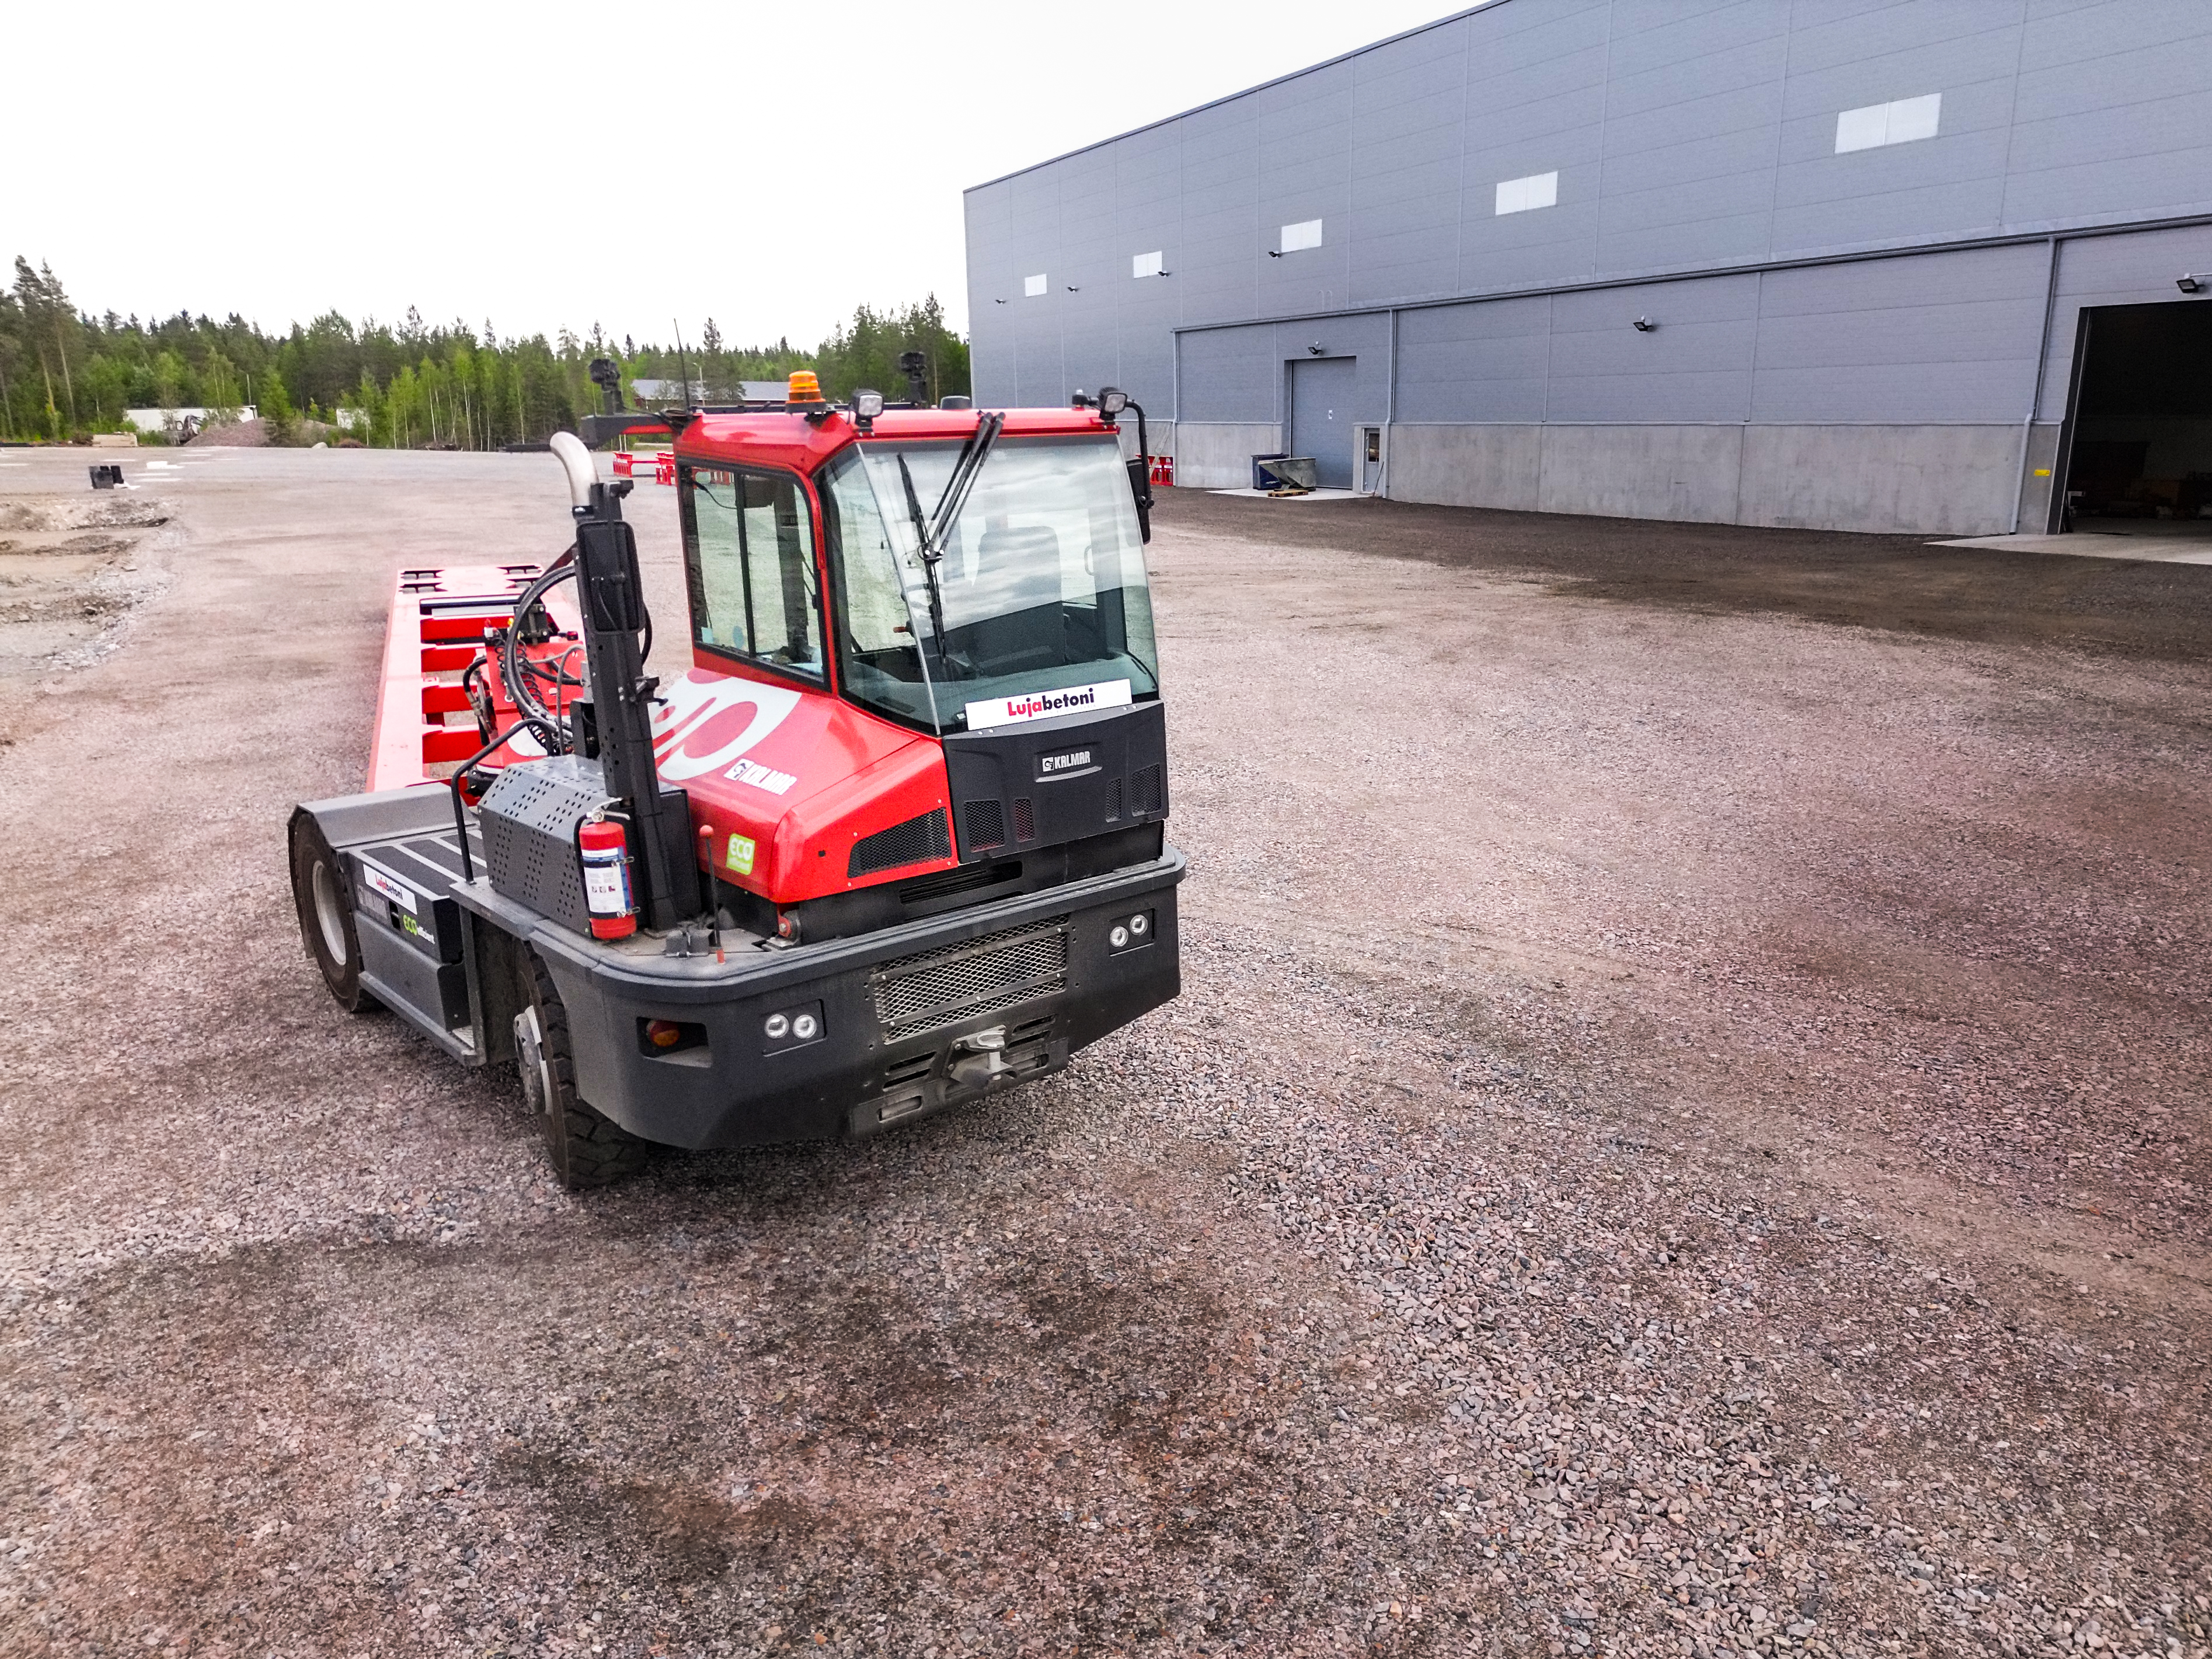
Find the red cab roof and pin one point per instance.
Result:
(777, 437)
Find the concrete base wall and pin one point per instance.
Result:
(1211, 455)
(1642, 471)
(1938, 480)
(1466, 466)
(1959, 480)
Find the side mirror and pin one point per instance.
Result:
(1140, 488)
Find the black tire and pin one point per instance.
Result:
(586, 1147)
(323, 898)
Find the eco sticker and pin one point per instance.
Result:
(741, 855)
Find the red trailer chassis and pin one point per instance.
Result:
(444, 618)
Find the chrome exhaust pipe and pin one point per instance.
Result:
(576, 461)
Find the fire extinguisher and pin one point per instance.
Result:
(606, 853)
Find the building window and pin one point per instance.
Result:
(1154, 264)
(1538, 189)
(1899, 122)
(1304, 234)
(1034, 287)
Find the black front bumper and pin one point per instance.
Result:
(893, 1009)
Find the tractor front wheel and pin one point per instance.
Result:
(324, 899)
(586, 1147)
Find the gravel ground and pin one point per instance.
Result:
(70, 576)
(1685, 1133)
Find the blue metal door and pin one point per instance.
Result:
(1321, 416)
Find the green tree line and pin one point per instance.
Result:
(863, 352)
(65, 373)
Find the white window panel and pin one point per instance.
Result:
(1897, 122)
(1915, 118)
(1538, 189)
(1148, 264)
(1034, 286)
(1304, 234)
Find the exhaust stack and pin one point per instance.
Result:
(576, 461)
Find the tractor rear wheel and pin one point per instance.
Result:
(323, 898)
(586, 1147)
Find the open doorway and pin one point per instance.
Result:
(2138, 442)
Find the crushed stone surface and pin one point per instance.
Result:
(1684, 1133)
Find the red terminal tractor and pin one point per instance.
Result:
(894, 839)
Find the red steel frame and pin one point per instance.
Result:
(440, 617)
(664, 464)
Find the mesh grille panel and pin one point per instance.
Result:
(914, 841)
(958, 981)
(1024, 818)
(1145, 790)
(982, 824)
(1114, 803)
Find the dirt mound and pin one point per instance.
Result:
(57, 512)
(67, 581)
(239, 434)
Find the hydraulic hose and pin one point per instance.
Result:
(522, 677)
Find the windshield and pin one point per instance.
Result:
(1041, 587)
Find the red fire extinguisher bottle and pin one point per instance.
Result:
(605, 852)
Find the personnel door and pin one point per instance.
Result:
(1321, 416)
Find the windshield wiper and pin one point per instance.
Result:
(973, 454)
(929, 557)
(965, 470)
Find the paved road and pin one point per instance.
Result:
(1686, 1129)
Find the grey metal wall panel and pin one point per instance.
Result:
(1931, 337)
(1517, 39)
(1486, 361)
(1694, 366)
(1231, 375)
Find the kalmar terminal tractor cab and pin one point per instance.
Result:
(894, 838)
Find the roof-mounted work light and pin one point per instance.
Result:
(866, 405)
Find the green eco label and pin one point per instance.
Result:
(741, 855)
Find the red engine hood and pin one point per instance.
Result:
(783, 781)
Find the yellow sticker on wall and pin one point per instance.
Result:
(741, 855)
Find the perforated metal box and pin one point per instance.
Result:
(529, 818)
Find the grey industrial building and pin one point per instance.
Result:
(1865, 265)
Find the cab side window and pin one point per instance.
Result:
(749, 552)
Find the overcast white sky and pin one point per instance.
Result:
(767, 165)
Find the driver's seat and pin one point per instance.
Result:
(1010, 561)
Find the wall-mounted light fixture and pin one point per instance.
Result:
(1071, 288)
(1274, 253)
(2190, 284)
(1314, 350)
(1644, 325)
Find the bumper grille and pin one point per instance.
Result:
(959, 981)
